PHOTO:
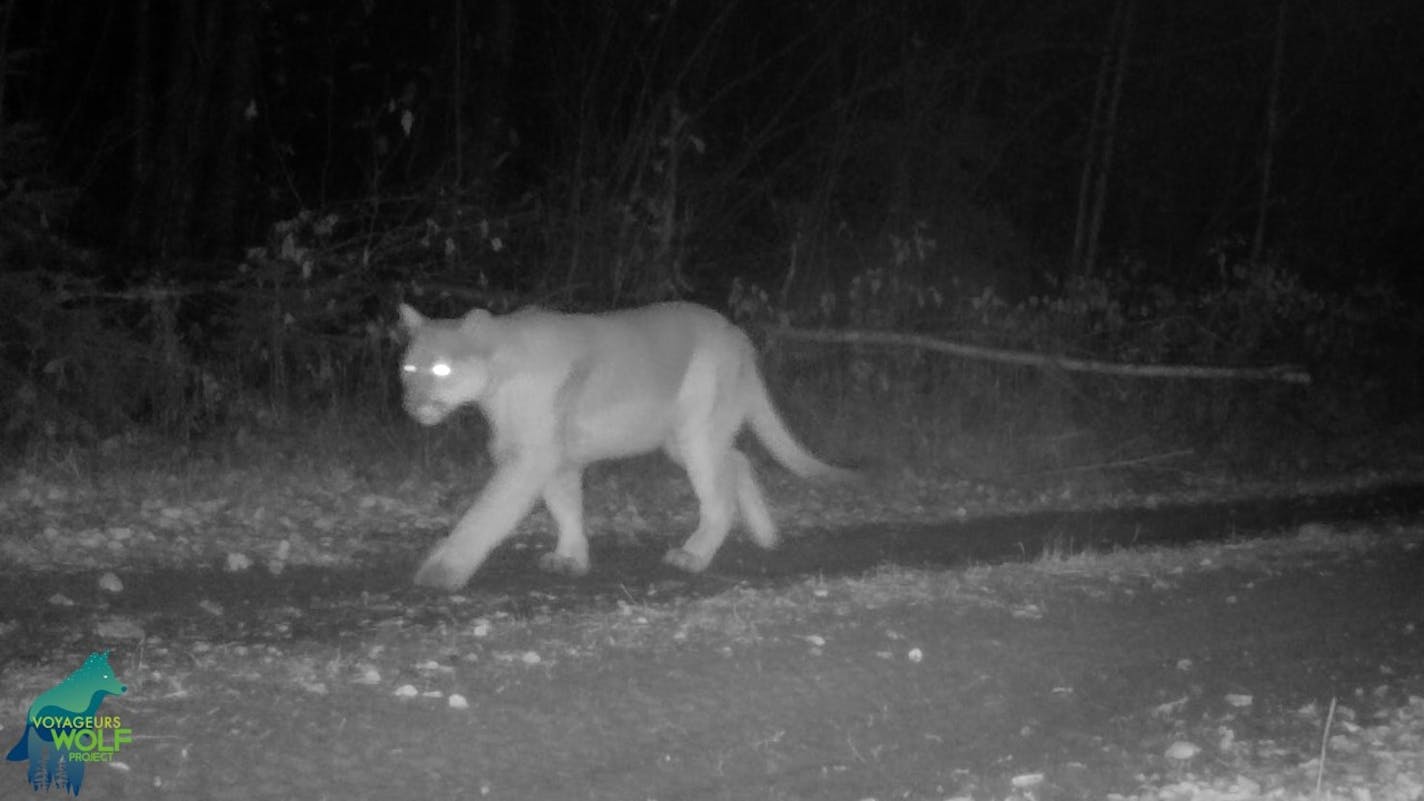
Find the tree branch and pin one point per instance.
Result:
(1289, 374)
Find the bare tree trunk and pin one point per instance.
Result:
(1099, 143)
(170, 156)
(192, 182)
(813, 222)
(1273, 134)
(1100, 191)
(4, 64)
(495, 71)
(178, 177)
(234, 123)
(1090, 147)
(457, 85)
(668, 259)
(328, 72)
(140, 121)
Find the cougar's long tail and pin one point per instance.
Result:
(773, 433)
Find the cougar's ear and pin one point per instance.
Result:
(411, 320)
(474, 319)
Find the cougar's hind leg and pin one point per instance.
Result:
(750, 500)
(713, 482)
(711, 412)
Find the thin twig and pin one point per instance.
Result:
(1133, 462)
(1324, 741)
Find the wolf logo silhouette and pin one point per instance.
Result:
(62, 725)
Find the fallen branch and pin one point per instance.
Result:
(1289, 374)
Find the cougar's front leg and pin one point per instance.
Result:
(563, 497)
(505, 500)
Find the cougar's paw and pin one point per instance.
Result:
(561, 565)
(686, 561)
(438, 574)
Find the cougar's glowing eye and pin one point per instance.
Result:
(407, 368)
(440, 369)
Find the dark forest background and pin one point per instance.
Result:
(210, 209)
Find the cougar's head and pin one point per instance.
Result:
(446, 364)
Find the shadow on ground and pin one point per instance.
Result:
(318, 602)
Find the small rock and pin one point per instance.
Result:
(1182, 750)
(1025, 780)
(118, 628)
(1027, 612)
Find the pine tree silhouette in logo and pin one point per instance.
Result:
(49, 738)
